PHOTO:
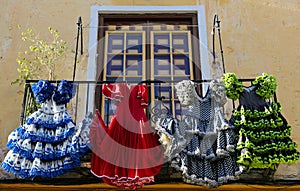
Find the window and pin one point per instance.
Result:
(156, 47)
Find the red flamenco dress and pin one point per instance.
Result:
(127, 153)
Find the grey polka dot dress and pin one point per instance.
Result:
(208, 156)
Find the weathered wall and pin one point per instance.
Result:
(262, 36)
(258, 36)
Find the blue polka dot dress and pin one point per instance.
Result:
(49, 143)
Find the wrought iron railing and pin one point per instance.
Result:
(85, 95)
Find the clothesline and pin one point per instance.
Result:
(135, 81)
(146, 26)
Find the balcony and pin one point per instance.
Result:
(163, 101)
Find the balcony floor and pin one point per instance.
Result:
(162, 186)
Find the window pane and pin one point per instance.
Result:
(161, 43)
(162, 65)
(163, 90)
(115, 43)
(181, 65)
(180, 42)
(134, 43)
(114, 65)
(134, 65)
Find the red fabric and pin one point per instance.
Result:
(127, 153)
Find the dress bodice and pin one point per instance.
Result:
(254, 96)
(130, 99)
(44, 91)
(250, 100)
(201, 107)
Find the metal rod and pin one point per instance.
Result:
(79, 26)
(87, 98)
(140, 82)
(220, 41)
(77, 98)
(81, 38)
(213, 39)
(24, 104)
(216, 25)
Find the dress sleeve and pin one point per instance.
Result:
(218, 92)
(43, 90)
(266, 85)
(185, 91)
(64, 92)
(112, 91)
(232, 85)
(142, 94)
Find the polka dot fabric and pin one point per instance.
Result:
(209, 156)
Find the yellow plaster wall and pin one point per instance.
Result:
(258, 36)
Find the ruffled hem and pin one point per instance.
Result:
(270, 161)
(192, 179)
(49, 120)
(75, 146)
(225, 152)
(25, 168)
(209, 155)
(268, 147)
(224, 127)
(53, 153)
(46, 135)
(126, 182)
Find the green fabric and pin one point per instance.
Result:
(232, 85)
(267, 85)
(256, 136)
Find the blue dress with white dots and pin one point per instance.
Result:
(49, 143)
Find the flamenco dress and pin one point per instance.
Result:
(48, 144)
(127, 153)
(263, 132)
(207, 156)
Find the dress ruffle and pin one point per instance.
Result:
(16, 163)
(50, 116)
(171, 139)
(127, 182)
(42, 134)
